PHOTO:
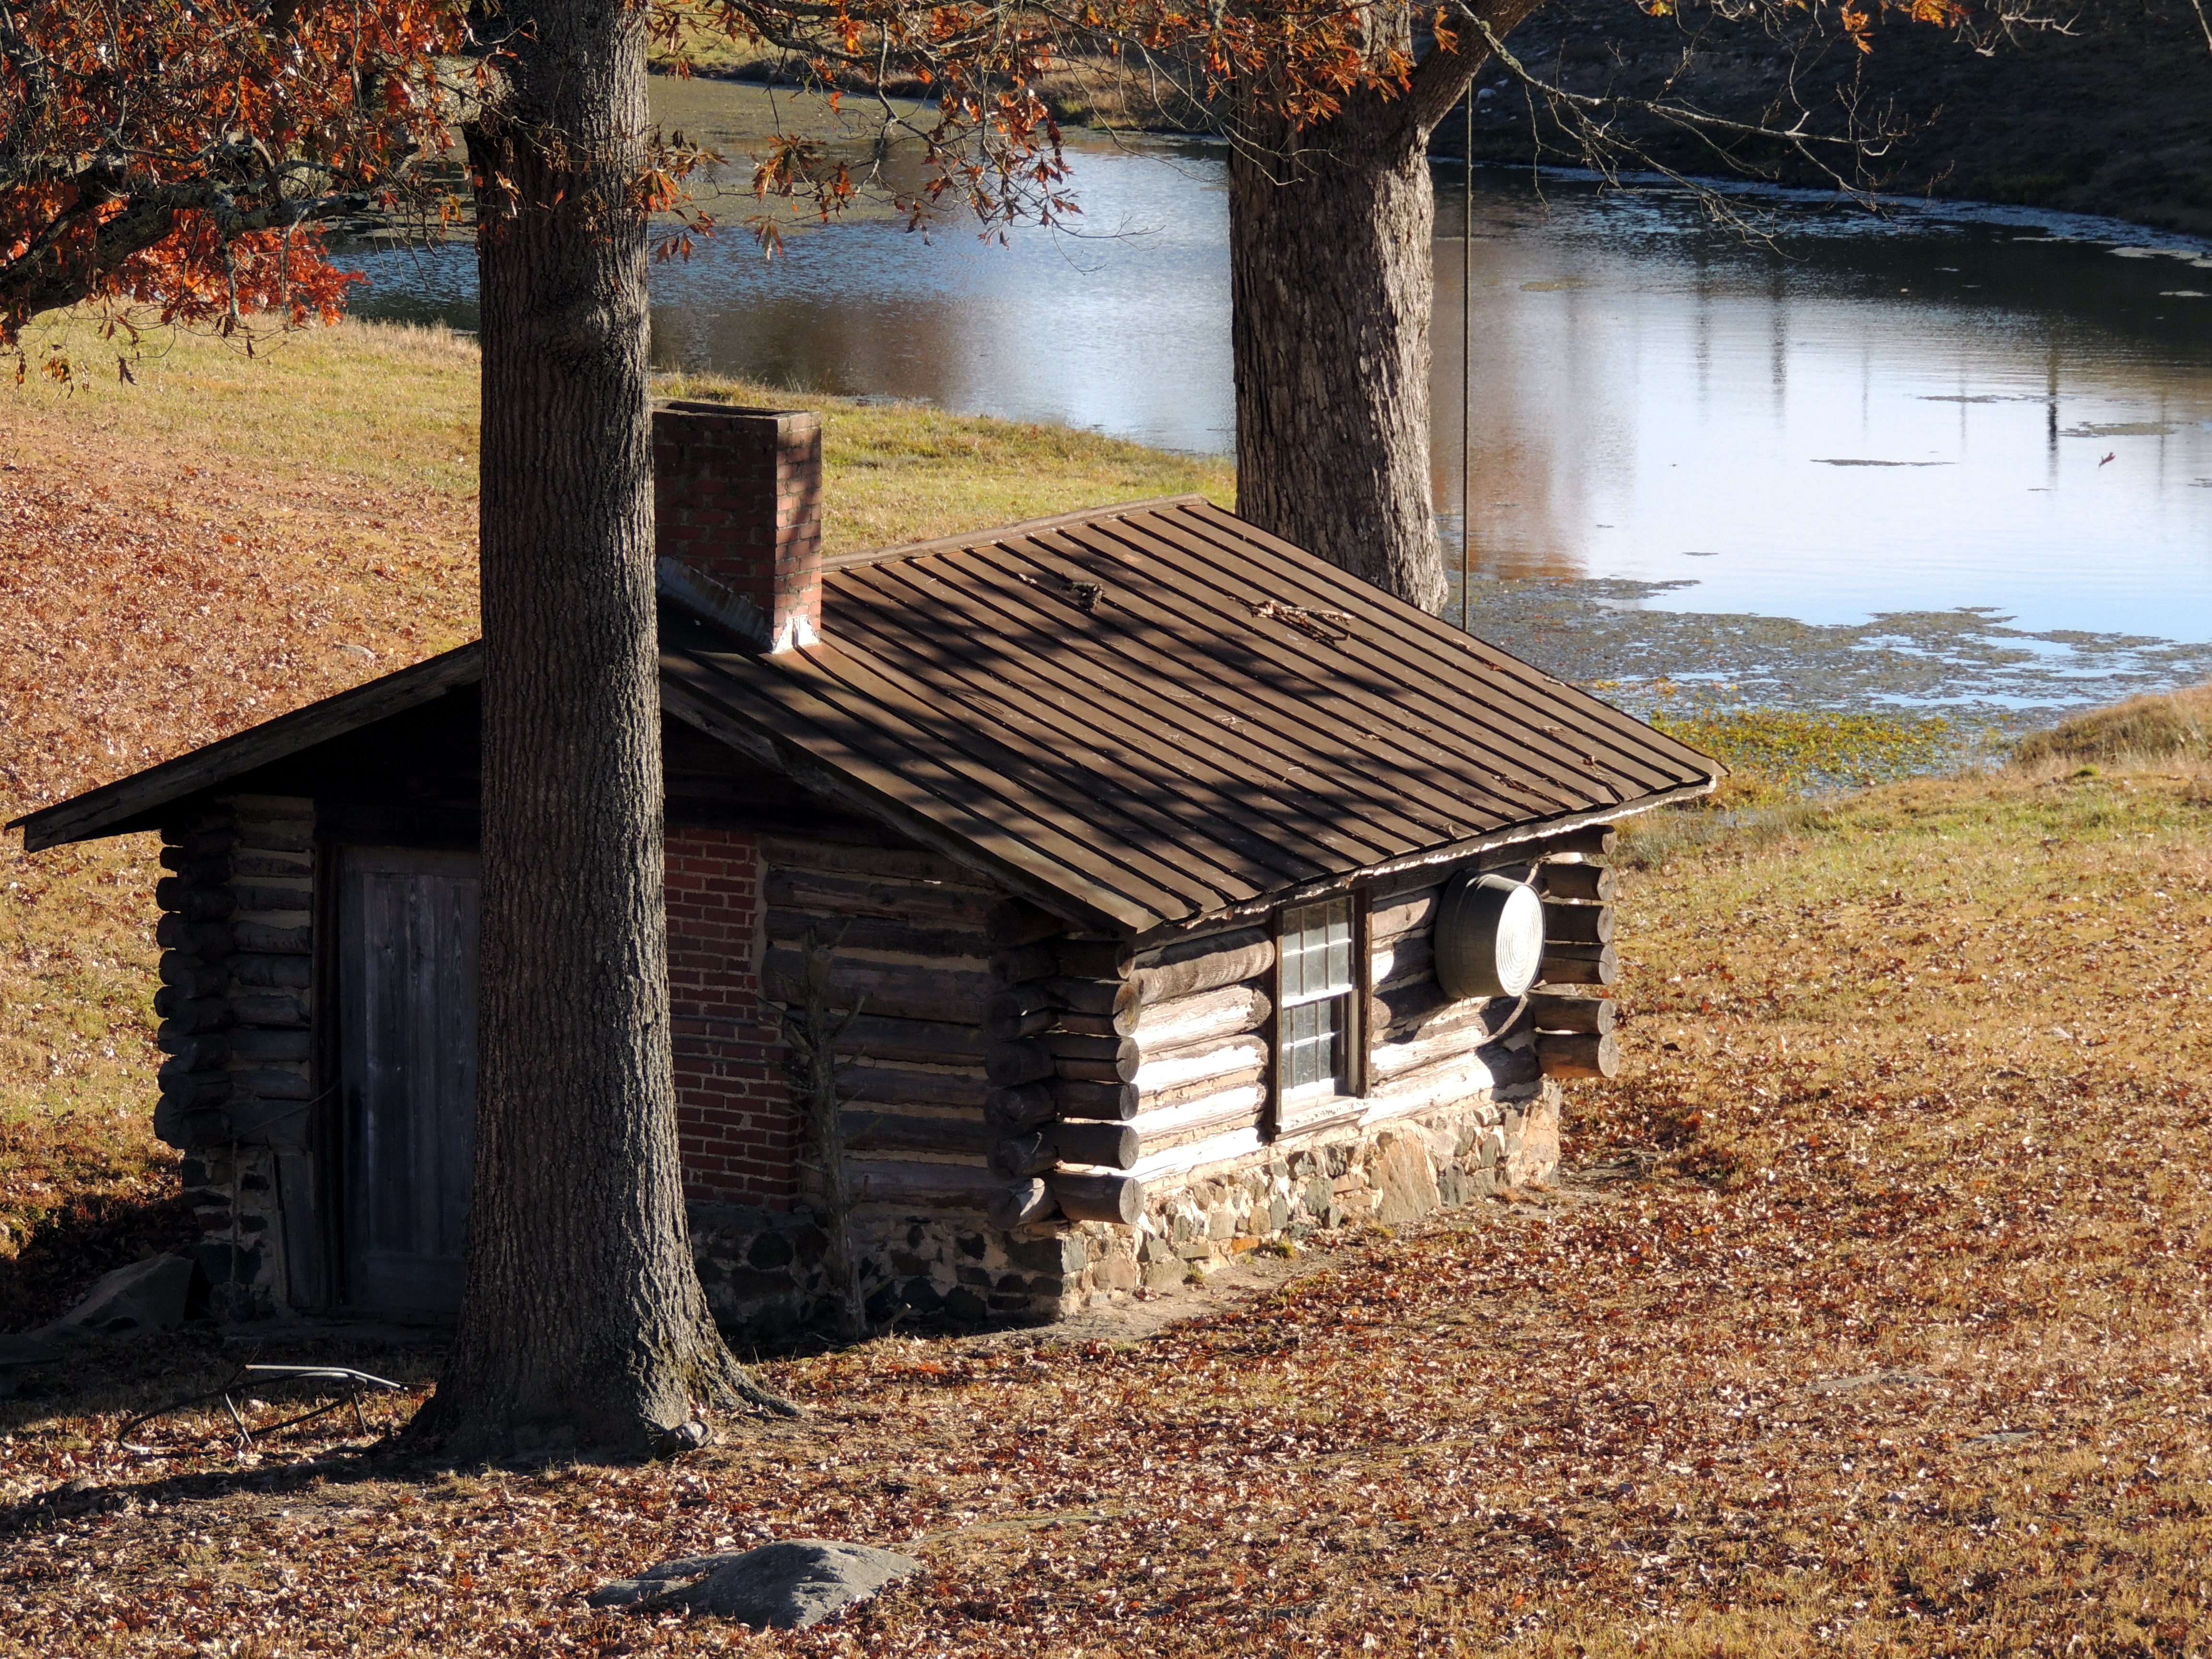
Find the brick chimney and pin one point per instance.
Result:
(737, 508)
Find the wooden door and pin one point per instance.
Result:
(407, 1040)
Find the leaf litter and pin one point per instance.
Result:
(1868, 1316)
(1849, 1145)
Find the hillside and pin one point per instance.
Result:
(1869, 1319)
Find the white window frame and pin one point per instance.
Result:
(1317, 968)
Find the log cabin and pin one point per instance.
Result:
(1188, 895)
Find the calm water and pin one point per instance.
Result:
(1950, 440)
(1935, 413)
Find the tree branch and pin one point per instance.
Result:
(47, 275)
(1442, 77)
(1678, 114)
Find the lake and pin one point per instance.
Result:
(1951, 457)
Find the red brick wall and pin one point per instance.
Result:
(737, 496)
(733, 1113)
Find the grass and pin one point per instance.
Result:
(2149, 730)
(1873, 1323)
(905, 472)
(705, 49)
(1875, 1327)
(394, 406)
(1781, 754)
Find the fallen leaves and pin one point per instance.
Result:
(153, 601)
(1859, 1347)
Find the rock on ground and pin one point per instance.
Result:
(153, 1295)
(789, 1585)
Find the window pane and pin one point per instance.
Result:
(1298, 1025)
(1316, 951)
(1339, 949)
(1313, 1042)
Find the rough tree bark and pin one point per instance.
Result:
(1332, 278)
(582, 1323)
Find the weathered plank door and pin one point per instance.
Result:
(407, 1040)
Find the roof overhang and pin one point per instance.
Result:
(135, 802)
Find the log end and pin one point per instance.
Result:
(1022, 1203)
(1116, 1198)
(1578, 1056)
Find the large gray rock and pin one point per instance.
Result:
(153, 1295)
(784, 1586)
(19, 1353)
(1408, 1182)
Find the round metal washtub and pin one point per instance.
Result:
(1490, 937)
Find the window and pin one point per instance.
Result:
(1314, 1024)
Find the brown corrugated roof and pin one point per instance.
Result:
(1224, 719)
(1139, 716)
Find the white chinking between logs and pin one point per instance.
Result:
(1153, 1064)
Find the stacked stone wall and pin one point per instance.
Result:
(763, 1275)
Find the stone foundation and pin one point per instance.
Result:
(764, 1276)
(1393, 1173)
(232, 1190)
(763, 1268)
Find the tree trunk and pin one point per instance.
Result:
(583, 1323)
(1332, 263)
(1332, 272)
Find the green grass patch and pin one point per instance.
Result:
(895, 472)
(388, 403)
(1778, 753)
(396, 405)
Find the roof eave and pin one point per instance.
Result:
(118, 808)
(1451, 853)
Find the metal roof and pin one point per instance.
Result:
(1139, 716)
(1161, 713)
(135, 802)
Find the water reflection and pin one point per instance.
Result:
(1850, 419)
(1942, 414)
(1122, 327)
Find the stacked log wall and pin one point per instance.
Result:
(1571, 1009)
(1137, 1081)
(237, 934)
(995, 1062)
(1101, 1053)
(910, 972)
